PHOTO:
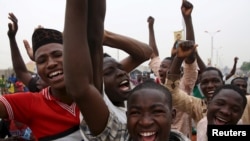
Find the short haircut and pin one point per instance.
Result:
(215, 69)
(168, 58)
(236, 78)
(151, 84)
(232, 87)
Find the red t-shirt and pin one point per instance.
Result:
(46, 116)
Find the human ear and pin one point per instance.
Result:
(173, 114)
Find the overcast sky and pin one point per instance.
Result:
(129, 17)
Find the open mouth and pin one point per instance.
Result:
(220, 121)
(55, 74)
(210, 94)
(148, 136)
(162, 75)
(124, 85)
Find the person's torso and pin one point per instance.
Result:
(48, 118)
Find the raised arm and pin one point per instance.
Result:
(96, 15)
(20, 69)
(202, 66)
(152, 42)
(232, 72)
(138, 51)
(78, 65)
(186, 10)
(155, 61)
(181, 99)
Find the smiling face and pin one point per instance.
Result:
(149, 115)
(116, 81)
(49, 62)
(225, 108)
(209, 82)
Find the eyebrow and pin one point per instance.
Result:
(136, 106)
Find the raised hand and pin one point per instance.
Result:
(236, 59)
(13, 27)
(185, 48)
(186, 8)
(151, 21)
(28, 49)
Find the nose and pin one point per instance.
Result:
(146, 121)
(163, 70)
(225, 110)
(51, 63)
(120, 72)
(210, 84)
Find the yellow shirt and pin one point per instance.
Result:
(11, 89)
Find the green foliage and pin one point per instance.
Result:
(245, 66)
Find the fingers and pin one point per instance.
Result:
(13, 26)
(150, 19)
(13, 18)
(187, 4)
(10, 26)
(26, 44)
(39, 26)
(236, 59)
(28, 49)
(186, 47)
(183, 1)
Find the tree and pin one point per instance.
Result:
(245, 66)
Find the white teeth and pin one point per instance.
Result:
(55, 73)
(210, 92)
(221, 119)
(146, 134)
(124, 82)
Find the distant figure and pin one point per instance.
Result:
(232, 72)
(12, 78)
(11, 130)
(3, 85)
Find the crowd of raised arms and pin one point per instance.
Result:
(81, 93)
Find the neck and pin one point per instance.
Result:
(62, 95)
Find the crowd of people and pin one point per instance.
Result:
(11, 85)
(85, 94)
